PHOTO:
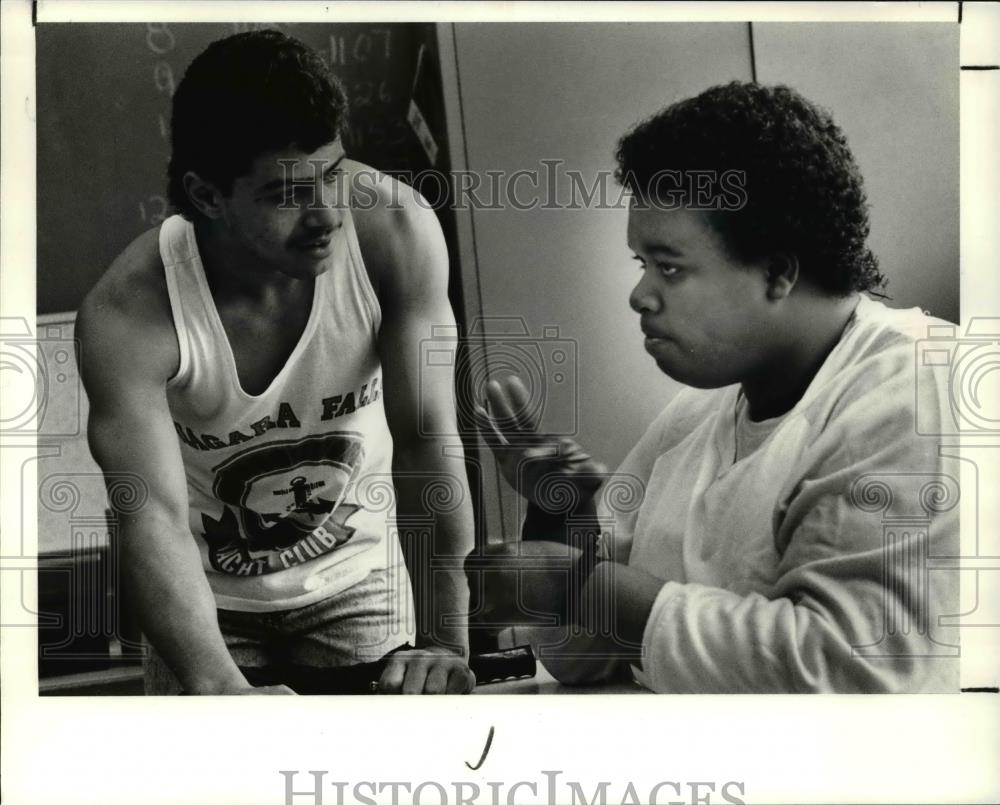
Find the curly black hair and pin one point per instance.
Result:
(803, 191)
(244, 96)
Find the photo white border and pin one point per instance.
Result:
(230, 750)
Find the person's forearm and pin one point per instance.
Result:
(620, 598)
(449, 612)
(615, 604)
(606, 635)
(575, 659)
(703, 639)
(175, 607)
(433, 488)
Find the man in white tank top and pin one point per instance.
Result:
(253, 363)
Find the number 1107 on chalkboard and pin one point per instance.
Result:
(375, 43)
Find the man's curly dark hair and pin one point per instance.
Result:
(244, 96)
(804, 192)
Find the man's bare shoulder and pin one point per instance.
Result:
(396, 226)
(133, 280)
(129, 307)
(383, 205)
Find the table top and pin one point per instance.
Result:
(544, 683)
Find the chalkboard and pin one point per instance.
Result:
(103, 124)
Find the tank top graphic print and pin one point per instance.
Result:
(290, 491)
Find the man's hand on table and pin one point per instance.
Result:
(427, 670)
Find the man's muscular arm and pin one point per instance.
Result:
(128, 350)
(409, 264)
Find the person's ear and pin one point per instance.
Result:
(782, 274)
(204, 195)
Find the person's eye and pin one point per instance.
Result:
(667, 270)
(295, 196)
(274, 199)
(282, 196)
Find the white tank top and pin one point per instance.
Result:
(290, 491)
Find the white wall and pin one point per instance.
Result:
(893, 89)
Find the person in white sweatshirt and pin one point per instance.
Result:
(785, 504)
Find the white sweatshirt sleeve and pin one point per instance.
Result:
(854, 607)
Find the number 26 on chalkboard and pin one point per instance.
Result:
(153, 210)
(365, 93)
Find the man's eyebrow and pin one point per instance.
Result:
(335, 166)
(278, 184)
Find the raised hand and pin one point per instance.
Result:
(529, 461)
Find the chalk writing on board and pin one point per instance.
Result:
(366, 93)
(163, 77)
(118, 105)
(361, 48)
(159, 38)
(390, 133)
(160, 42)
